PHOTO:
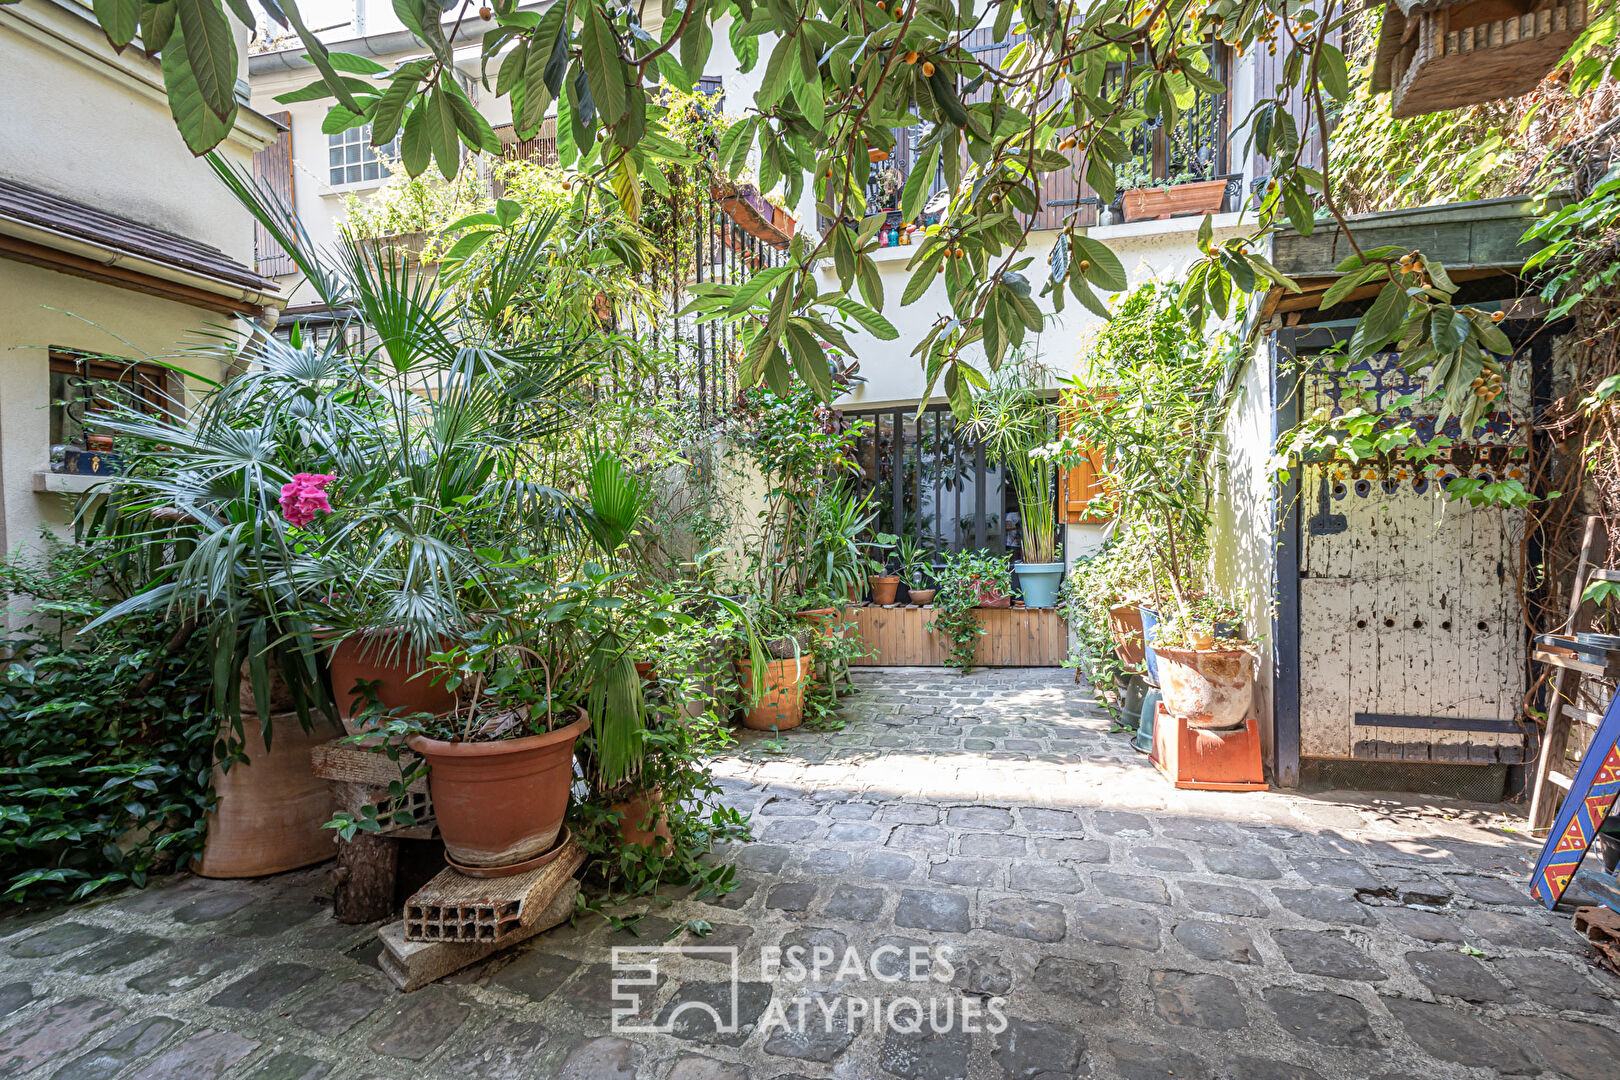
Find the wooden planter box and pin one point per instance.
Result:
(1202, 197)
(1470, 52)
(1013, 637)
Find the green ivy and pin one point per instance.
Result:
(964, 577)
(106, 749)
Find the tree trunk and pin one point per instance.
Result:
(364, 887)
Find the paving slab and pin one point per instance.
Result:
(974, 854)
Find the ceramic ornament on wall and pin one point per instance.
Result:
(1591, 796)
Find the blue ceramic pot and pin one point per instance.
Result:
(1150, 633)
(1144, 723)
(1039, 580)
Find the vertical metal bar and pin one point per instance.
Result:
(899, 473)
(956, 476)
(979, 481)
(939, 477)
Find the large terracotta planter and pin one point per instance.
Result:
(270, 812)
(782, 705)
(1201, 197)
(501, 803)
(377, 658)
(1209, 689)
(884, 586)
(1125, 631)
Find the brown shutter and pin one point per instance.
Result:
(1077, 487)
(1063, 193)
(273, 169)
(541, 149)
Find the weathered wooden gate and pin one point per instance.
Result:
(1411, 639)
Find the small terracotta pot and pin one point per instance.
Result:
(782, 704)
(884, 586)
(1209, 689)
(923, 596)
(823, 619)
(853, 592)
(501, 803)
(638, 813)
(377, 657)
(647, 670)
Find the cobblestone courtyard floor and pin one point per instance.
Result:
(1129, 930)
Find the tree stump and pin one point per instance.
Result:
(363, 888)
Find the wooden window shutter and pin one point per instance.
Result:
(1065, 197)
(273, 169)
(1077, 487)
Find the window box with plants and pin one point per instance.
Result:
(1192, 188)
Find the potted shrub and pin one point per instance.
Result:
(776, 694)
(1206, 668)
(1016, 424)
(916, 565)
(883, 582)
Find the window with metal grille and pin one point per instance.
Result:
(82, 386)
(351, 159)
(930, 480)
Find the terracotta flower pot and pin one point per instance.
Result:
(271, 808)
(647, 670)
(921, 597)
(1125, 630)
(501, 803)
(379, 658)
(643, 819)
(1209, 689)
(782, 705)
(1200, 197)
(884, 586)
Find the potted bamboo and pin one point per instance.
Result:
(1015, 424)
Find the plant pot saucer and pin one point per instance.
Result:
(515, 868)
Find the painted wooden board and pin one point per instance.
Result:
(1407, 610)
(1013, 637)
(1591, 796)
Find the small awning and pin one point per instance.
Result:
(48, 230)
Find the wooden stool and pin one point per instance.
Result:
(1208, 760)
(368, 866)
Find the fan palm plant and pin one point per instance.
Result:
(437, 429)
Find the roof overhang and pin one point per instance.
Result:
(56, 233)
(1472, 240)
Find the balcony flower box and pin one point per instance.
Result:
(1199, 197)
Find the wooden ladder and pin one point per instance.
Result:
(1562, 713)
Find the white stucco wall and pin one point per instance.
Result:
(1148, 249)
(89, 124)
(1242, 545)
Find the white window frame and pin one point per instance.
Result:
(367, 154)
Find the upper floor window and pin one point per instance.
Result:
(353, 160)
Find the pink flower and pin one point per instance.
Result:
(305, 497)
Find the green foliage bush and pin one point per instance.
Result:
(105, 743)
(966, 578)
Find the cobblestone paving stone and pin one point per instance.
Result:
(1132, 930)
